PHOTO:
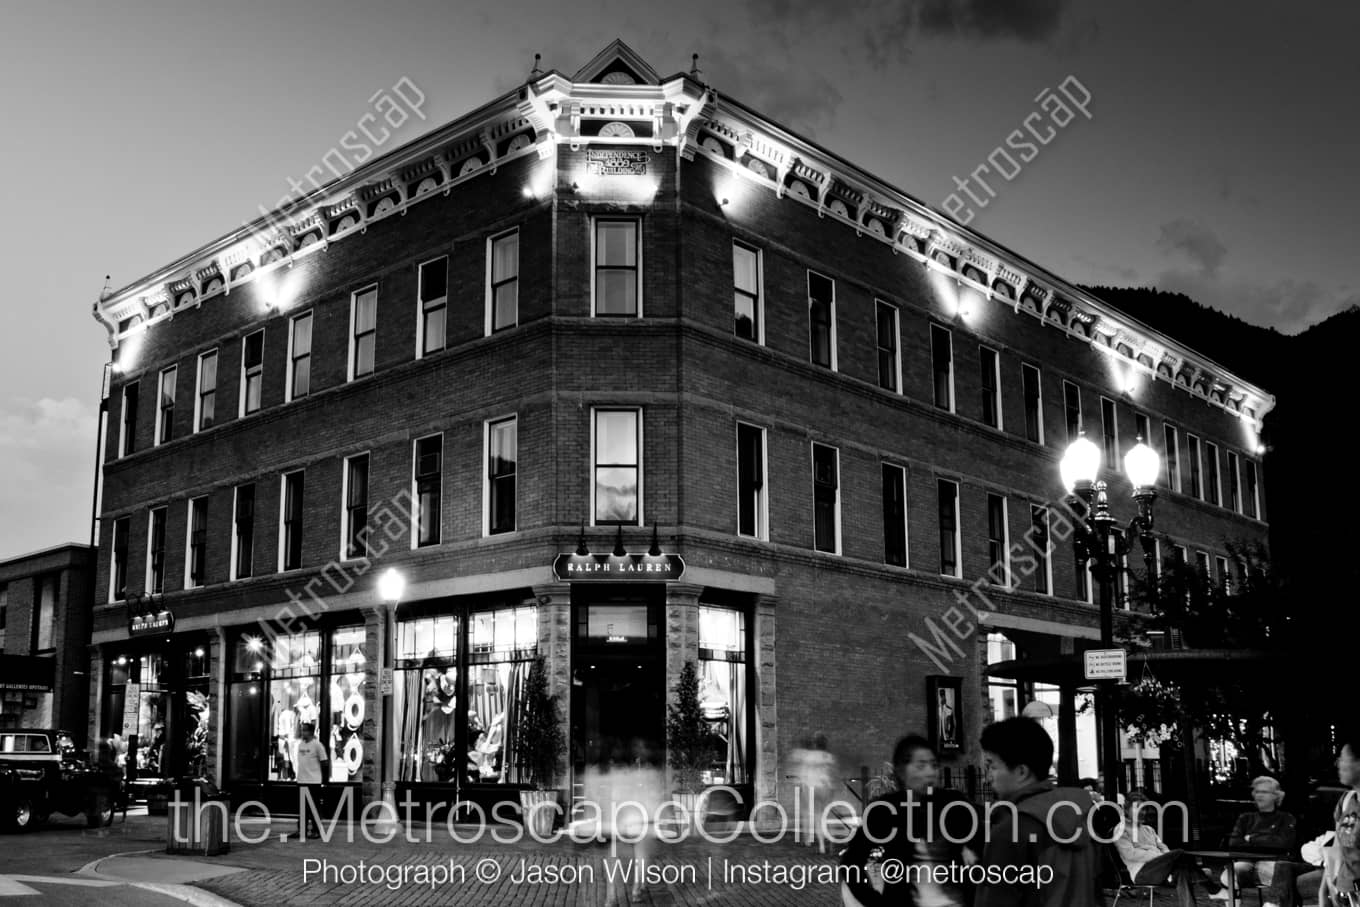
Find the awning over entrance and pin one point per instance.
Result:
(29, 673)
(1166, 665)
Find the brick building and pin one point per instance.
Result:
(44, 634)
(535, 357)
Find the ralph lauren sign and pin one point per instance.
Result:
(148, 617)
(610, 162)
(628, 568)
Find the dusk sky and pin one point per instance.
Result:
(1218, 160)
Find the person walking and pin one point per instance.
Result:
(311, 760)
(1048, 825)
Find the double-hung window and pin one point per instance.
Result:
(252, 372)
(1250, 496)
(427, 472)
(243, 536)
(1072, 410)
(1034, 403)
(889, 354)
(502, 465)
(1142, 428)
(1042, 549)
(826, 498)
(355, 523)
(822, 319)
(617, 290)
(1234, 501)
(1192, 453)
(948, 499)
(165, 406)
(1211, 481)
(998, 560)
(751, 501)
(746, 299)
(433, 296)
(205, 399)
(300, 356)
(1171, 454)
(1109, 434)
(195, 557)
(617, 452)
(894, 515)
(503, 281)
(127, 437)
(363, 332)
(290, 522)
(155, 552)
(990, 375)
(942, 365)
(122, 529)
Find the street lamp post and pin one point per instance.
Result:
(1101, 542)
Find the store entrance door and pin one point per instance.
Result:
(619, 712)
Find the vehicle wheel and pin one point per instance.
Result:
(100, 813)
(22, 816)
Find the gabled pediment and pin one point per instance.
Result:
(618, 64)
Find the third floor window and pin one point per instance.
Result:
(300, 356)
(822, 319)
(205, 401)
(503, 293)
(434, 300)
(990, 374)
(364, 332)
(252, 372)
(889, 359)
(616, 268)
(746, 292)
(165, 406)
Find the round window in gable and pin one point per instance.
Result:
(618, 77)
(469, 165)
(616, 130)
(518, 143)
(838, 207)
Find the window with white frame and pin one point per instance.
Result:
(1250, 493)
(1203, 568)
(990, 374)
(617, 286)
(826, 497)
(44, 612)
(616, 446)
(942, 366)
(1212, 488)
(1034, 403)
(354, 525)
(363, 332)
(752, 505)
(252, 372)
(503, 281)
(1042, 548)
(433, 299)
(427, 477)
(502, 467)
(165, 406)
(1109, 434)
(947, 493)
(205, 397)
(894, 515)
(243, 533)
(1224, 577)
(1142, 428)
(1086, 583)
(196, 543)
(1172, 456)
(290, 521)
(118, 563)
(1234, 500)
(300, 356)
(747, 303)
(1196, 489)
(1072, 410)
(998, 546)
(822, 319)
(127, 436)
(889, 352)
(155, 552)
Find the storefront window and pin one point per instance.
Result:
(502, 647)
(152, 703)
(197, 713)
(722, 691)
(425, 696)
(348, 742)
(249, 745)
(1002, 693)
(294, 699)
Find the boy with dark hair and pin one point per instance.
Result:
(1035, 824)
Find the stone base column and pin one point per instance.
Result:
(218, 692)
(766, 775)
(554, 644)
(682, 640)
(378, 730)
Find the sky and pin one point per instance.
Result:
(1216, 156)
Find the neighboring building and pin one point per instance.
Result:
(604, 310)
(44, 639)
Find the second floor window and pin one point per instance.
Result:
(1039, 540)
(889, 362)
(746, 291)
(1250, 496)
(1211, 484)
(504, 289)
(1109, 434)
(364, 337)
(894, 515)
(205, 404)
(165, 406)
(618, 466)
(243, 536)
(122, 529)
(1171, 451)
(428, 476)
(751, 505)
(948, 493)
(300, 356)
(822, 319)
(1072, 410)
(998, 564)
(990, 375)
(1234, 501)
(1192, 451)
(252, 372)
(502, 458)
(942, 366)
(1034, 404)
(616, 267)
(196, 556)
(291, 537)
(434, 304)
(155, 553)
(356, 507)
(826, 498)
(1142, 428)
(127, 440)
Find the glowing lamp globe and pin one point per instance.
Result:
(1081, 463)
(391, 585)
(1141, 465)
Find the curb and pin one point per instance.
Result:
(187, 893)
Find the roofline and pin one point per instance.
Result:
(42, 552)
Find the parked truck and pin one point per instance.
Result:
(42, 772)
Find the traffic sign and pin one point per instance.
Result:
(1107, 664)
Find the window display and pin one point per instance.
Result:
(722, 691)
(294, 697)
(425, 697)
(152, 704)
(348, 741)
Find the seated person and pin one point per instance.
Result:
(1268, 828)
(1148, 859)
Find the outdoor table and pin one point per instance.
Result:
(1233, 856)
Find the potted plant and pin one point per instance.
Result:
(540, 744)
(689, 743)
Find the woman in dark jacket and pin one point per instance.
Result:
(920, 825)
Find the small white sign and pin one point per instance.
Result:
(1107, 664)
(385, 682)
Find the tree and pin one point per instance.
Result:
(689, 745)
(541, 741)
